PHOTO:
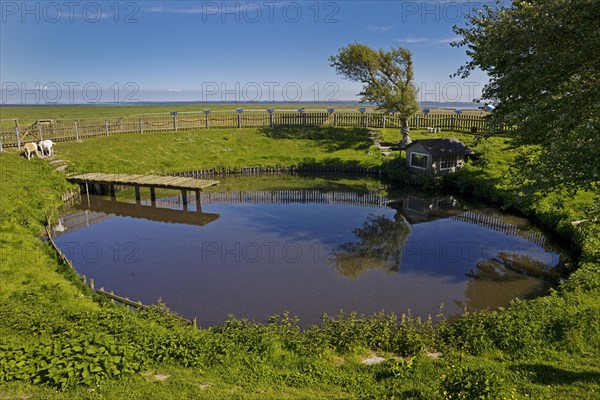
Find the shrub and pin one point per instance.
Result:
(64, 362)
(472, 383)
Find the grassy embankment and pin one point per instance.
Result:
(54, 331)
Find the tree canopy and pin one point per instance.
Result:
(387, 78)
(379, 246)
(543, 61)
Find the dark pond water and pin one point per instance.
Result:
(317, 248)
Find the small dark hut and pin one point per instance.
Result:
(436, 156)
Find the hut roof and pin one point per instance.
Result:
(443, 147)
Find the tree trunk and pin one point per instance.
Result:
(405, 130)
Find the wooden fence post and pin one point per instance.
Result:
(207, 124)
(40, 132)
(334, 119)
(76, 131)
(106, 127)
(417, 123)
(175, 123)
(17, 133)
(141, 125)
(239, 120)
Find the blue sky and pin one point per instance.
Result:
(61, 51)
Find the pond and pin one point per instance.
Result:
(257, 246)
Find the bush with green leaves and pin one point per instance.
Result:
(467, 383)
(67, 361)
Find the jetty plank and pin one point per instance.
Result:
(167, 182)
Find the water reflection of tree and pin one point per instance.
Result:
(509, 266)
(379, 246)
(495, 282)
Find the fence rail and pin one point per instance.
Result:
(78, 129)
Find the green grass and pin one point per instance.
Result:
(545, 348)
(165, 152)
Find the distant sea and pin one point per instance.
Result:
(424, 104)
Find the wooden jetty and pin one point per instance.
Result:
(166, 215)
(151, 181)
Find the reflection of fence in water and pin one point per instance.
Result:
(491, 222)
(85, 218)
(79, 220)
(285, 197)
(351, 199)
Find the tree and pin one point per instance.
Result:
(387, 77)
(379, 246)
(543, 61)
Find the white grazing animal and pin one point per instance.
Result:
(46, 146)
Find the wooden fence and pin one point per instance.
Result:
(79, 129)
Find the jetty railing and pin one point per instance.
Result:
(62, 130)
